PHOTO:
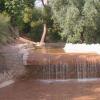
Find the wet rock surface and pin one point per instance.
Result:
(11, 62)
(46, 64)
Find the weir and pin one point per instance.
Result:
(55, 64)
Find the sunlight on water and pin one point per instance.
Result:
(82, 48)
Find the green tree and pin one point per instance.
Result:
(78, 19)
(23, 13)
(28, 20)
(5, 35)
(14, 9)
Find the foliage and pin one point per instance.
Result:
(5, 35)
(78, 19)
(2, 5)
(14, 9)
(23, 14)
(29, 19)
(53, 31)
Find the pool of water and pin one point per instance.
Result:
(57, 48)
(38, 90)
(49, 50)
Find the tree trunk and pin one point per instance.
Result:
(82, 37)
(42, 41)
(44, 34)
(43, 2)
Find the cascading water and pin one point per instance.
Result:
(64, 66)
(55, 71)
(61, 64)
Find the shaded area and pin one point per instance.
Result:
(2, 63)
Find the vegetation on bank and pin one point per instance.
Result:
(5, 34)
(78, 19)
(75, 21)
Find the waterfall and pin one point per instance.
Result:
(67, 66)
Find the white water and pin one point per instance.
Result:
(70, 80)
(82, 48)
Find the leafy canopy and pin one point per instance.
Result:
(77, 18)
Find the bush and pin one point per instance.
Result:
(5, 36)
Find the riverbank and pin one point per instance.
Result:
(11, 59)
